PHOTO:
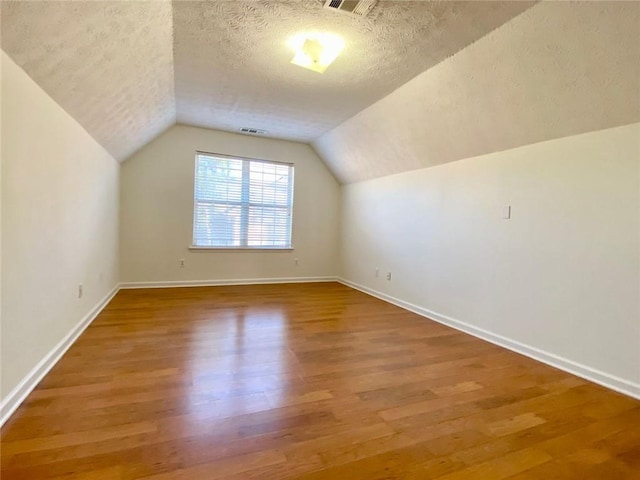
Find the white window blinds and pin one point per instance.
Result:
(242, 203)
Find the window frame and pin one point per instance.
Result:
(245, 196)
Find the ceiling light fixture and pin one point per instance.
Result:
(315, 51)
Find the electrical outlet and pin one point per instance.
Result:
(388, 275)
(80, 291)
(377, 272)
(182, 263)
(297, 261)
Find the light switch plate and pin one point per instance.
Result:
(506, 212)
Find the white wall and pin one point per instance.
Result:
(562, 275)
(59, 224)
(157, 212)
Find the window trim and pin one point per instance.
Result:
(239, 157)
(241, 248)
(199, 248)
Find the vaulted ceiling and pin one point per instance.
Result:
(126, 71)
(558, 69)
(232, 63)
(108, 64)
(419, 83)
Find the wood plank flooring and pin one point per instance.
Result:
(307, 381)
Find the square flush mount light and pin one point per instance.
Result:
(315, 51)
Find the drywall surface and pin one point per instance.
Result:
(157, 212)
(558, 69)
(562, 275)
(59, 224)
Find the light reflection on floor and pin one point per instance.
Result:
(238, 363)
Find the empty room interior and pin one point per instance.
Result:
(320, 240)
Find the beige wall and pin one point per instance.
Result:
(59, 224)
(562, 275)
(157, 212)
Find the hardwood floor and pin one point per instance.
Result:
(307, 381)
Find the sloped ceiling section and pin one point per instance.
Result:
(233, 67)
(109, 64)
(112, 64)
(558, 69)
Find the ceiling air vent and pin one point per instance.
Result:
(253, 131)
(358, 8)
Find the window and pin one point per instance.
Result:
(242, 202)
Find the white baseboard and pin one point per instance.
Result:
(13, 400)
(220, 283)
(618, 384)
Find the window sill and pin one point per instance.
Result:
(194, 248)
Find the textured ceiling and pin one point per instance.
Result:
(232, 62)
(109, 64)
(112, 64)
(558, 69)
